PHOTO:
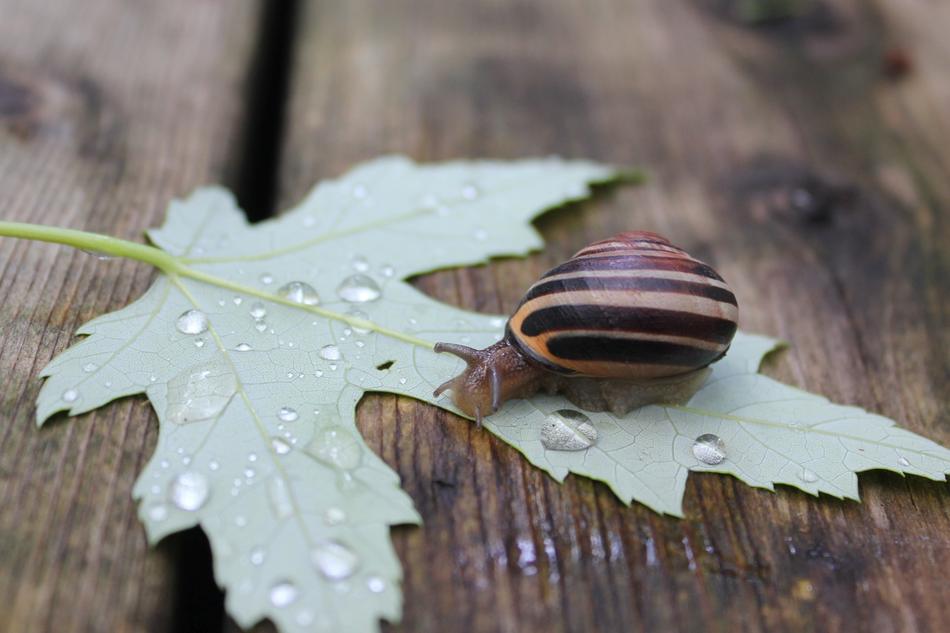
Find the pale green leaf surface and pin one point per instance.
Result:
(279, 488)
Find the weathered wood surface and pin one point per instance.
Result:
(779, 152)
(107, 110)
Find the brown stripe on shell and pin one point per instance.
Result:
(594, 283)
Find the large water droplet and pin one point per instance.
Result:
(283, 593)
(709, 449)
(258, 311)
(287, 414)
(359, 288)
(70, 395)
(189, 490)
(299, 292)
(330, 352)
(336, 446)
(200, 393)
(280, 498)
(808, 476)
(334, 560)
(568, 430)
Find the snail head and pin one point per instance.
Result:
(477, 391)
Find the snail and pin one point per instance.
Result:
(627, 321)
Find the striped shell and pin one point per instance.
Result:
(633, 306)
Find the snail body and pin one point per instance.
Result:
(625, 322)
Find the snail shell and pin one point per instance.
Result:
(632, 314)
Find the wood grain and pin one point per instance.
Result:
(781, 154)
(108, 109)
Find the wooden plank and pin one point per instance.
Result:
(107, 110)
(779, 153)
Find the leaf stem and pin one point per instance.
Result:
(93, 242)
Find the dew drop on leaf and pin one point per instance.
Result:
(257, 556)
(279, 494)
(192, 322)
(359, 288)
(387, 271)
(288, 414)
(266, 279)
(360, 321)
(200, 392)
(90, 367)
(199, 342)
(282, 594)
(157, 512)
(375, 584)
(260, 327)
(709, 449)
(469, 191)
(903, 461)
(280, 446)
(330, 352)
(299, 292)
(360, 264)
(258, 311)
(189, 490)
(242, 347)
(336, 446)
(70, 395)
(334, 560)
(568, 430)
(808, 476)
(334, 516)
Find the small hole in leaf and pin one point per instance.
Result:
(384, 366)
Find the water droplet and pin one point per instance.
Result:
(237, 301)
(280, 446)
(157, 512)
(469, 191)
(266, 279)
(402, 381)
(287, 414)
(336, 446)
(70, 395)
(360, 323)
(200, 393)
(334, 516)
(257, 556)
(387, 271)
(299, 292)
(283, 594)
(359, 288)
(568, 430)
(903, 461)
(213, 465)
(240, 521)
(359, 191)
(249, 473)
(252, 457)
(260, 327)
(242, 347)
(480, 234)
(189, 490)
(199, 342)
(334, 560)
(102, 257)
(280, 498)
(375, 584)
(304, 617)
(330, 352)
(360, 264)
(153, 378)
(90, 367)
(808, 476)
(258, 311)
(709, 449)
